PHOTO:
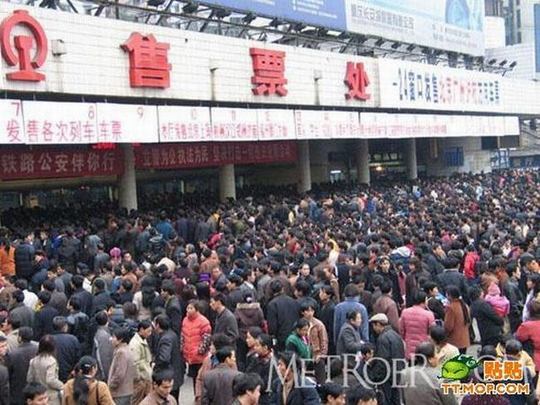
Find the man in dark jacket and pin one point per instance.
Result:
(225, 320)
(282, 314)
(490, 324)
(167, 352)
(18, 361)
(101, 297)
(390, 348)
(68, 348)
(173, 309)
(452, 276)
(24, 259)
(43, 320)
(78, 291)
(4, 373)
(21, 311)
(300, 392)
(217, 383)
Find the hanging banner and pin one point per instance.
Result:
(51, 123)
(11, 122)
(326, 124)
(184, 124)
(34, 164)
(234, 124)
(125, 123)
(193, 155)
(276, 125)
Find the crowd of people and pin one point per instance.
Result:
(343, 295)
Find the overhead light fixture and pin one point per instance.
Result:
(190, 8)
(395, 45)
(513, 65)
(380, 42)
(492, 61)
(276, 22)
(504, 62)
(155, 3)
(410, 48)
(249, 18)
(322, 32)
(298, 26)
(344, 35)
(221, 13)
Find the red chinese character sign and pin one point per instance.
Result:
(357, 80)
(148, 61)
(269, 72)
(20, 52)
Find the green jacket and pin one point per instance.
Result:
(296, 344)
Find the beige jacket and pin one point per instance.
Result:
(142, 358)
(43, 369)
(122, 372)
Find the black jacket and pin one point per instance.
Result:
(453, 278)
(99, 302)
(226, 323)
(18, 361)
(86, 300)
(43, 321)
(4, 385)
(326, 316)
(282, 314)
(173, 310)
(24, 261)
(489, 323)
(68, 353)
(304, 395)
(167, 355)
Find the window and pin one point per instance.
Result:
(518, 18)
(453, 157)
(489, 143)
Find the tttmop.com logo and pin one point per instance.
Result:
(500, 377)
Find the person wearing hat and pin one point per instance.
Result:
(389, 347)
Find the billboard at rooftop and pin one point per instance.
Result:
(452, 25)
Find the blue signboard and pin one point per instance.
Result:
(323, 13)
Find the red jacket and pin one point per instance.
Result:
(530, 331)
(196, 332)
(469, 271)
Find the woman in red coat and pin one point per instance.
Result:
(529, 331)
(196, 332)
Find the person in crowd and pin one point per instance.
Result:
(173, 309)
(435, 300)
(326, 314)
(318, 339)
(332, 394)
(389, 347)
(290, 389)
(102, 345)
(443, 350)
(162, 385)
(225, 320)
(349, 340)
(421, 381)
(298, 340)
(196, 333)
(20, 310)
(415, 322)
(122, 371)
(84, 387)
(360, 395)
(142, 360)
(490, 325)
(35, 394)
(4, 373)
(218, 383)
(247, 389)
(499, 303)
(43, 369)
(385, 304)
(351, 303)
(248, 314)
(282, 314)
(167, 351)
(252, 335)
(529, 331)
(457, 320)
(43, 319)
(18, 362)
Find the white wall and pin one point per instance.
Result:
(494, 32)
(475, 159)
(523, 54)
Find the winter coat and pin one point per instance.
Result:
(340, 315)
(68, 353)
(7, 262)
(304, 394)
(349, 340)
(455, 326)
(296, 344)
(122, 372)
(43, 321)
(490, 324)
(98, 394)
(226, 323)
(22, 313)
(318, 338)
(386, 305)
(44, 370)
(18, 362)
(530, 331)
(469, 265)
(414, 327)
(217, 386)
(282, 314)
(422, 387)
(499, 302)
(4, 385)
(196, 332)
(103, 352)
(247, 316)
(167, 355)
(452, 277)
(24, 261)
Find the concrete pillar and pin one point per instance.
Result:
(227, 185)
(304, 167)
(319, 162)
(410, 159)
(362, 161)
(127, 183)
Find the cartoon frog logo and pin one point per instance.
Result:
(458, 367)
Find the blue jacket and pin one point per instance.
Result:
(340, 317)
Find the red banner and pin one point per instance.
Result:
(39, 164)
(192, 155)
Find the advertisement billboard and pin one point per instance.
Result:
(324, 13)
(454, 25)
(537, 37)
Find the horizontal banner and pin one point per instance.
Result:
(190, 155)
(32, 164)
(56, 123)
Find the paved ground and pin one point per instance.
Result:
(187, 396)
